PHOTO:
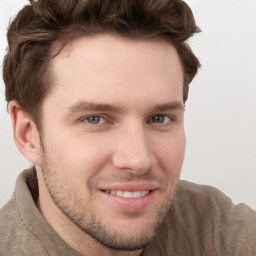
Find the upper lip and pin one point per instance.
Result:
(131, 187)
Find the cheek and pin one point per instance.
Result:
(81, 155)
(171, 154)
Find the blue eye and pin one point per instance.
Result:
(160, 119)
(95, 119)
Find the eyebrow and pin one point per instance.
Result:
(83, 106)
(175, 105)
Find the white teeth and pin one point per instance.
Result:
(128, 194)
(137, 194)
(120, 193)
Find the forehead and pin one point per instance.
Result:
(110, 42)
(107, 50)
(110, 68)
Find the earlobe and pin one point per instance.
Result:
(25, 133)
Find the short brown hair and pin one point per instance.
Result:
(26, 67)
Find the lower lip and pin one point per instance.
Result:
(130, 204)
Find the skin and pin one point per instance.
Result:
(113, 118)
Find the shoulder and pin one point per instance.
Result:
(15, 239)
(210, 218)
(203, 199)
(203, 221)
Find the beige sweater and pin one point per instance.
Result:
(201, 221)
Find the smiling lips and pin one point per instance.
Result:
(130, 197)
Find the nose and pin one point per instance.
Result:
(133, 151)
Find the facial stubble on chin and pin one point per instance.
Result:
(87, 221)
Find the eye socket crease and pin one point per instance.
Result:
(105, 111)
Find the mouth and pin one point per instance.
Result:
(128, 194)
(135, 200)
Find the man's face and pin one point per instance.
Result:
(113, 137)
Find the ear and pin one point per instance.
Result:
(25, 133)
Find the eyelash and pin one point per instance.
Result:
(88, 117)
(170, 117)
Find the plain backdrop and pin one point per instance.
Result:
(220, 118)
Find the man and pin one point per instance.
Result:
(96, 93)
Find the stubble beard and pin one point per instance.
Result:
(76, 211)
